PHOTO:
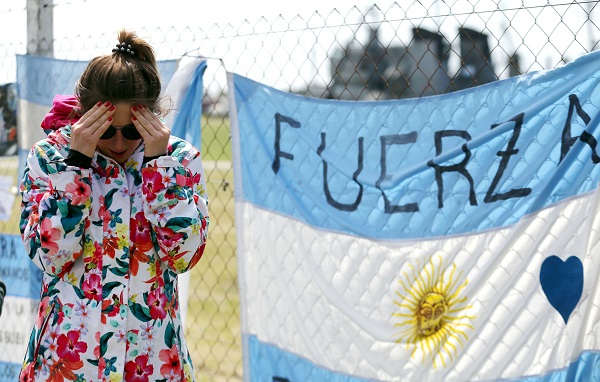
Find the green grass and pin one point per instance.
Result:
(8, 168)
(213, 330)
(216, 139)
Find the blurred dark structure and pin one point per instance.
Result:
(377, 71)
(476, 61)
(8, 119)
(2, 294)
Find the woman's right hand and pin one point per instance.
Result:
(86, 132)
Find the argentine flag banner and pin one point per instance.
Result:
(446, 238)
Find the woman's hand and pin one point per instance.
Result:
(155, 134)
(86, 132)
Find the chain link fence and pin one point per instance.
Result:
(364, 52)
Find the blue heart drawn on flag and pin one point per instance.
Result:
(562, 282)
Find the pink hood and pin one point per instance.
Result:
(63, 112)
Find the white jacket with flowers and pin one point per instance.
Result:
(111, 241)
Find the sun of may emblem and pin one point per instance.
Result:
(433, 319)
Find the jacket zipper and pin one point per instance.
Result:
(42, 332)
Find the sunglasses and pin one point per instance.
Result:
(129, 132)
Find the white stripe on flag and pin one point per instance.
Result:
(332, 298)
(30, 116)
(16, 321)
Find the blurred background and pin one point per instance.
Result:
(335, 49)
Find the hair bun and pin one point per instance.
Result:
(124, 48)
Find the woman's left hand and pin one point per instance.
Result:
(153, 131)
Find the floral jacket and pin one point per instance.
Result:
(111, 241)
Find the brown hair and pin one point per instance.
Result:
(122, 77)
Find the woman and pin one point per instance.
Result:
(114, 208)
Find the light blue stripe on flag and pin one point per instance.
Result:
(270, 363)
(39, 78)
(187, 124)
(9, 372)
(17, 271)
(457, 163)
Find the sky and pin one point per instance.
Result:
(74, 18)
(77, 23)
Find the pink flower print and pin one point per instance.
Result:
(92, 287)
(167, 237)
(103, 212)
(52, 339)
(138, 370)
(49, 236)
(27, 374)
(102, 366)
(148, 349)
(121, 336)
(148, 332)
(152, 184)
(187, 181)
(43, 311)
(171, 363)
(80, 190)
(180, 180)
(46, 363)
(69, 346)
(160, 214)
(140, 232)
(97, 348)
(81, 309)
(82, 327)
(157, 303)
(172, 377)
(167, 180)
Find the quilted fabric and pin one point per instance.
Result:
(446, 238)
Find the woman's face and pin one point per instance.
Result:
(118, 147)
